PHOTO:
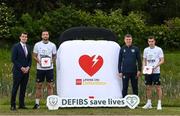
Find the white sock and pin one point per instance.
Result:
(37, 101)
(149, 101)
(159, 101)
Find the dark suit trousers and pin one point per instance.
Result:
(22, 83)
(134, 83)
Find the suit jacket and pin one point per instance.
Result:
(20, 60)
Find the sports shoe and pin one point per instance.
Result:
(159, 107)
(36, 106)
(147, 106)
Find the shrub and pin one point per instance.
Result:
(59, 20)
(174, 35)
(6, 21)
(26, 24)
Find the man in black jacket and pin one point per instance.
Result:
(21, 59)
(129, 65)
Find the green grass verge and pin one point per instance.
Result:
(5, 110)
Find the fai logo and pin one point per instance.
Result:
(91, 65)
(133, 50)
(53, 102)
(132, 101)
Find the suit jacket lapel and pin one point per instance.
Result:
(22, 49)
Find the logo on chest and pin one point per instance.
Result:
(132, 50)
(124, 50)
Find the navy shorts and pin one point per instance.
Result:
(42, 74)
(153, 79)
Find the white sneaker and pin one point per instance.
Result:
(159, 107)
(147, 106)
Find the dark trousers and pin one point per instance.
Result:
(134, 83)
(22, 83)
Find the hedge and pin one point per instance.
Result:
(57, 21)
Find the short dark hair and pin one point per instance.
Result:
(151, 37)
(25, 33)
(45, 31)
(128, 35)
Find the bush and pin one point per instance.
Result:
(6, 21)
(55, 22)
(159, 32)
(174, 35)
(59, 20)
(26, 24)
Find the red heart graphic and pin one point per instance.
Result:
(90, 64)
(45, 61)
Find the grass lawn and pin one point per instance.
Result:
(4, 110)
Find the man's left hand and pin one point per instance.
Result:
(27, 69)
(138, 74)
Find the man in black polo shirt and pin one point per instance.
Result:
(129, 65)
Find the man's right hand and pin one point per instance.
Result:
(37, 60)
(35, 56)
(23, 69)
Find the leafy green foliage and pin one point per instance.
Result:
(59, 20)
(36, 8)
(174, 35)
(6, 21)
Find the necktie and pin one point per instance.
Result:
(25, 50)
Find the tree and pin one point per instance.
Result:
(6, 21)
(156, 10)
(35, 8)
(161, 10)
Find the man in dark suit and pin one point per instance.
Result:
(21, 59)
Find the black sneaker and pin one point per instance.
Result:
(36, 106)
(23, 107)
(13, 108)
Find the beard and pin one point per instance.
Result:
(45, 40)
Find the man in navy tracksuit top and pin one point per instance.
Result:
(129, 65)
